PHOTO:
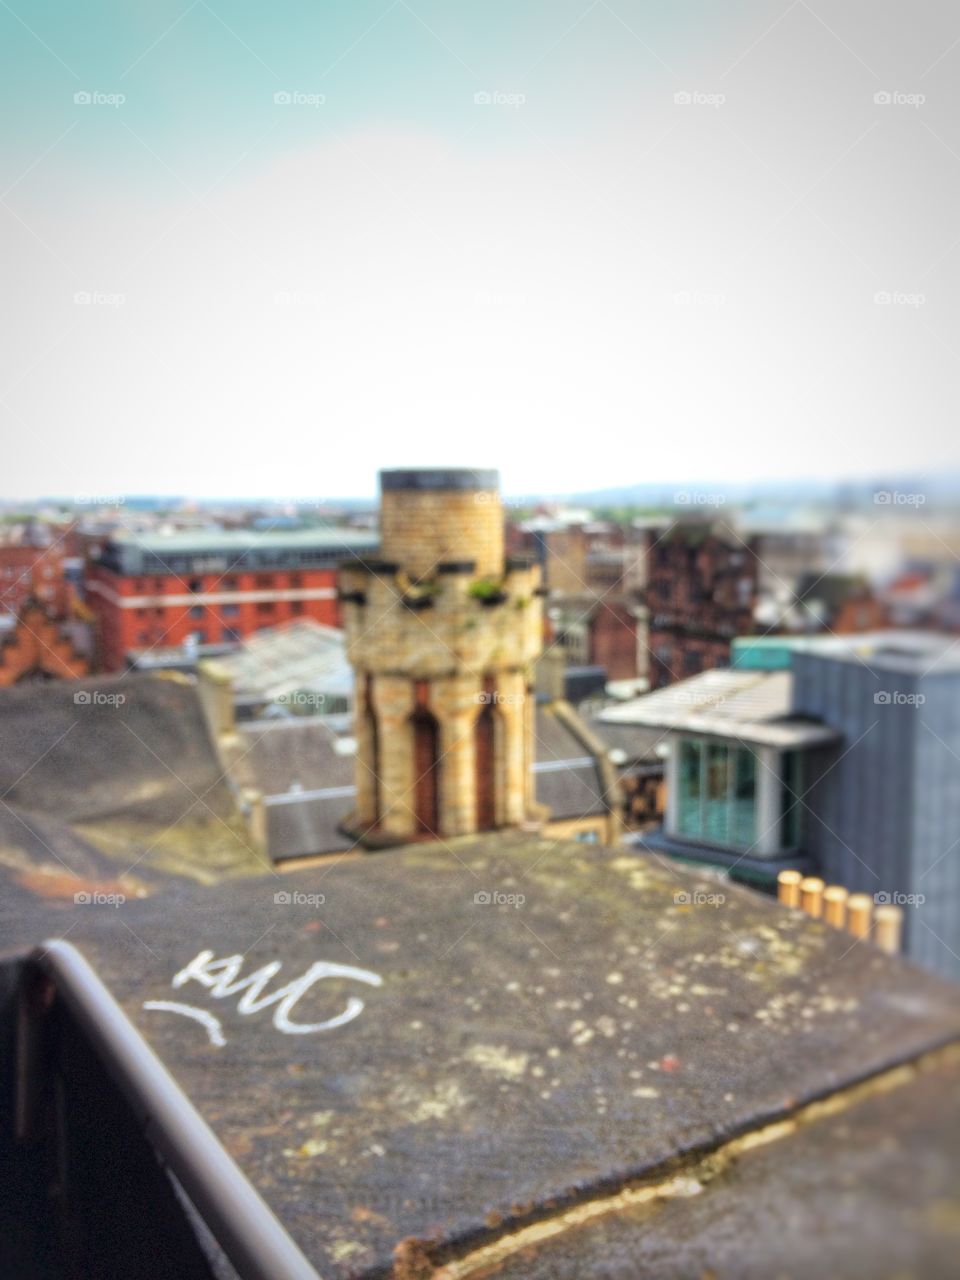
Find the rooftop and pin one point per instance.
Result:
(554, 1058)
(751, 706)
(896, 649)
(229, 541)
(302, 655)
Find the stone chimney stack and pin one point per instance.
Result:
(442, 633)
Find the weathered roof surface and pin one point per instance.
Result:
(566, 777)
(752, 706)
(871, 1190)
(118, 773)
(513, 1057)
(282, 660)
(638, 742)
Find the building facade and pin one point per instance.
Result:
(34, 572)
(701, 589)
(442, 632)
(42, 646)
(602, 631)
(834, 756)
(212, 587)
(881, 811)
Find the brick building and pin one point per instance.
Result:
(43, 646)
(33, 572)
(600, 631)
(212, 587)
(701, 589)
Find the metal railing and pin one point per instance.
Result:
(244, 1227)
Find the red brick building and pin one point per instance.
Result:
(700, 592)
(40, 647)
(597, 630)
(213, 587)
(29, 572)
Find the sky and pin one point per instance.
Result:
(268, 249)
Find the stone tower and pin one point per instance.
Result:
(442, 632)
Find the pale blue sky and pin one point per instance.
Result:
(587, 280)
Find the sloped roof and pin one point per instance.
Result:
(119, 773)
(281, 660)
(752, 706)
(513, 1061)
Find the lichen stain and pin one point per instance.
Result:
(498, 1059)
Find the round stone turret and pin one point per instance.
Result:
(430, 517)
(442, 633)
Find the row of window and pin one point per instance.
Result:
(228, 635)
(261, 582)
(265, 608)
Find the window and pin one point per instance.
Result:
(743, 818)
(688, 808)
(296, 606)
(717, 793)
(265, 606)
(791, 807)
(230, 634)
(263, 581)
(195, 584)
(197, 611)
(716, 810)
(230, 610)
(296, 579)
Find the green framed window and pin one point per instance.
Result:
(717, 799)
